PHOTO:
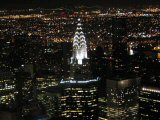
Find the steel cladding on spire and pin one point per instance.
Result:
(79, 45)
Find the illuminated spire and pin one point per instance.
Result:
(79, 45)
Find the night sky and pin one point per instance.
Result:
(71, 3)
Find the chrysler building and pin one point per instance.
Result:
(79, 45)
(79, 90)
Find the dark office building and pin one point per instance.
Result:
(149, 99)
(122, 99)
(121, 86)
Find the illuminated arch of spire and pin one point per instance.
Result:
(79, 44)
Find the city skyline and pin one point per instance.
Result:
(79, 63)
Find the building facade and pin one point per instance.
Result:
(122, 99)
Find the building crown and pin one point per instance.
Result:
(79, 44)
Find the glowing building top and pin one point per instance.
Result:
(79, 45)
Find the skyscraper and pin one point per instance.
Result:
(149, 98)
(121, 86)
(79, 96)
(122, 99)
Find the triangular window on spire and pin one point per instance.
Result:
(79, 44)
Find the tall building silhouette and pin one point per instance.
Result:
(149, 98)
(79, 96)
(121, 86)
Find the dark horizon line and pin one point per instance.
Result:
(71, 4)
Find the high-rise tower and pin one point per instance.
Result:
(121, 86)
(149, 96)
(79, 94)
(122, 99)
